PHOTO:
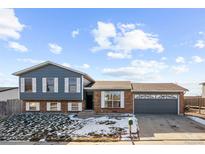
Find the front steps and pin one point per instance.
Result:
(86, 114)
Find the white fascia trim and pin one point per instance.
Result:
(178, 104)
(133, 105)
(157, 91)
(82, 86)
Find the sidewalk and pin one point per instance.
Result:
(194, 142)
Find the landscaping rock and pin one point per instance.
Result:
(36, 126)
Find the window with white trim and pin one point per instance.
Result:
(72, 85)
(50, 84)
(53, 106)
(74, 107)
(112, 99)
(32, 106)
(28, 84)
(77, 106)
(156, 96)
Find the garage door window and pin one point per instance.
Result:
(156, 96)
(172, 96)
(112, 99)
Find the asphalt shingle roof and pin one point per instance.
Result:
(155, 87)
(7, 88)
(111, 85)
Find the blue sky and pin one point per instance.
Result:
(141, 45)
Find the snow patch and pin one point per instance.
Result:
(106, 126)
(199, 120)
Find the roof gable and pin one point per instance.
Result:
(50, 63)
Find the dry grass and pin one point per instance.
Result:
(195, 112)
(96, 139)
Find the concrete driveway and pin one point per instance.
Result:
(170, 127)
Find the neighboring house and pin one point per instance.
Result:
(9, 93)
(53, 87)
(203, 90)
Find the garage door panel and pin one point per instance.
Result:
(156, 106)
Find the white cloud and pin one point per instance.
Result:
(200, 44)
(143, 70)
(197, 59)
(17, 47)
(118, 55)
(180, 69)
(85, 66)
(124, 39)
(66, 64)
(55, 48)
(180, 60)
(102, 35)
(201, 33)
(164, 58)
(74, 33)
(126, 27)
(30, 60)
(10, 26)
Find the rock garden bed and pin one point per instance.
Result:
(59, 127)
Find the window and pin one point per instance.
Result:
(156, 96)
(112, 99)
(137, 96)
(74, 107)
(50, 84)
(77, 106)
(28, 84)
(32, 106)
(172, 96)
(72, 85)
(142, 96)
(53, 106)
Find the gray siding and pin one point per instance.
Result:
(51, 71)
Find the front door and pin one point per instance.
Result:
(89, 101)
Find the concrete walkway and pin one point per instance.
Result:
(109, 143)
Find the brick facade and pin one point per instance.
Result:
(128, 103)
(128, 95)
(43, 108)
(181, 101)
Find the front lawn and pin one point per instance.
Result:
(63, 127)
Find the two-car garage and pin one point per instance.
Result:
(157, 98)
(146, 103)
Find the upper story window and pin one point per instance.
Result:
(28, 85)
(50, 84)
(72, 85)
(112, 99)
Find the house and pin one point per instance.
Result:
(203, 90)
(9, 93)
(52, 87)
